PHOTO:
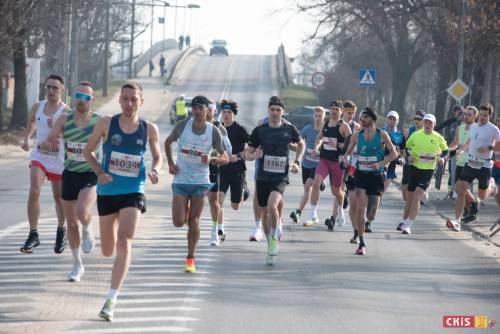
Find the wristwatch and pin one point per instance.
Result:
(297, 162)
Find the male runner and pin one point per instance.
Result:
(369, 176)
(78, 179)
(120, 181)
(196, 138)
(45, 164)
(480, 147)
(423, 149)
(270, 142)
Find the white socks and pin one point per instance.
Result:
(313, 210)
(77, 257)
(258, 223)
(220, 227)
(112, 294)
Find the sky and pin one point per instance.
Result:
(250, 27)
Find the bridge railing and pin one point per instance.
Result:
(158, 47)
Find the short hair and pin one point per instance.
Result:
(488, 107)
(229, 104)
(131, 85)
(320, 109)
(348, 104)
(55, 76)
(86, 83)
(473, 108)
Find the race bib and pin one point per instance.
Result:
(330, 143)
(52, 152)
(364, 163)
(191, 153)
(475, 162)
(427, 158)
(274, 164)
(124, 164)
(309, 157)
(74, 151)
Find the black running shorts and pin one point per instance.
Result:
(419, 178)
(372, 183)
(308, 173)
(264, 189)
(482, 175)
(74, 182)
(109, 204)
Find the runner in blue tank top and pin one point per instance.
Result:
(369, 175)
(121, 179)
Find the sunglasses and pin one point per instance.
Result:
(50, 87)
(417, 118)
(83, 97)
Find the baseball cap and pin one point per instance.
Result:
(430, 117)
(336, 104)
(276, 101)
(420, 113)
(393, 114)
(200, 100)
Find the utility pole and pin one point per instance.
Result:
(105, 75)
(132, 33)
(152, 28)
(73, 54)
(175, 21)
(461, 37)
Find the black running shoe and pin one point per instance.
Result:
(367, 227)
(322, 186)
(474, 208)
(60, 243)
(330, 223)
(30, 243)
(295, 215)
(246, 192)
(222, 235)
(468, 219)
(354, 240)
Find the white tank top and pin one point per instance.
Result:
(52, 160)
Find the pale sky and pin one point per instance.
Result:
(250, 27)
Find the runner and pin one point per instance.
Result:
(496, 167)
(270, 142)
(480, 146)
(216, 210)
(120, 181)
(309, 134)
(196, 137)
(330, 142)
(423, 148)
(369, 176)
(398, 140)
(45, 164)
(78, 179)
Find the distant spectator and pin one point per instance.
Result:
(188, 41)
(181, 42)
(162, 65)
(151, 67)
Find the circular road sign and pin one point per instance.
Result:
(318, 79)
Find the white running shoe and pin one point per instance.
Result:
(406, 230)
(340, 218)
(256, 234)
(214, 238)
(88, 241)
(453, 225)
(76, 274)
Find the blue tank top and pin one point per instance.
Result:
(369, 152)
(123, 158)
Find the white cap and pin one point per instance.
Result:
(430, 117)
(393, 114)
(182, 96)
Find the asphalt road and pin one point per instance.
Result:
(405, 284)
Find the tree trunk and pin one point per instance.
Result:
(20, 107)
(401, 77)
(1, 99)
(443, 81)
(479, 81)
(493, 80)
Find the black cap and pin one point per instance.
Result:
(200, 100)
(276, 101)
(420, 113)
(370, 113)
(457, 108)
(336, 104)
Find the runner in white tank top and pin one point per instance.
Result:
(45, 164)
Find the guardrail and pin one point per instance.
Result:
(158, 47)
(182, 58)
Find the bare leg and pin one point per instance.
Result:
(56, 192)
(194, 223)
(37, 177)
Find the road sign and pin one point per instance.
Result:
(318, 79)
(458, 90)
(367, 76)
(161, 20)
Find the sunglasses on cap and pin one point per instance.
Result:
(83, 97)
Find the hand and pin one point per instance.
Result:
(377, 165)
(50, 122)
(55, 144)
(25, 145)
(484, 149)
(104, 178)
(233, 158)
(346, 163)
(205, 159)
(173, 169)
(295, 168)
(401, 161)
(153, 176)
(258, 153)
(314, 154)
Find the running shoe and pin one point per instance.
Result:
(400, 227)
(273, 248)
(467, 219)
(270, 260)
(368, 227)
(31, 242)
(222, 235)
(214, 238)
(256, 234)
(354, 240)
(406, 230)
(107, 310)
(474, 207)
(246, 192)
(88, 241)
(311, 222)
(452, 225)
(361, 250)
(60, 243)
(341, 218)
(330, 223)
(322, 186)
(190, 266)
(295, 215)
(76, 274)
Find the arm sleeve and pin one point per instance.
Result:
(217, 140)
(253, 141)
(445, 124)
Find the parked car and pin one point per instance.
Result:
(219, 47)
(188, 106)
(302, 116)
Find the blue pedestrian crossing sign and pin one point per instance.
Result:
(161, 20)
(367, 76)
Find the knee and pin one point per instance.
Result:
(82, 214)
(34, 192)
(72, 224)
(178, 222)
(123, 244)
(337, 191)
(107, 251)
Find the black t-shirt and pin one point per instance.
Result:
(275, 142)
(238, 137)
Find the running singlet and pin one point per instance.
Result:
(330, 149)
(463, 136)
(369, 152)
(190, 148)
(123, 158)
(425, 148)
(309, 134)
(481, 136)
(75, 139)
(275, 143)
(52, 160)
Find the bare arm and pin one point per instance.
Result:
(172, 168)
(54, 136)
(154, 145)
(393, 154)
(30, 127)
(352, 142)
(100, 132)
